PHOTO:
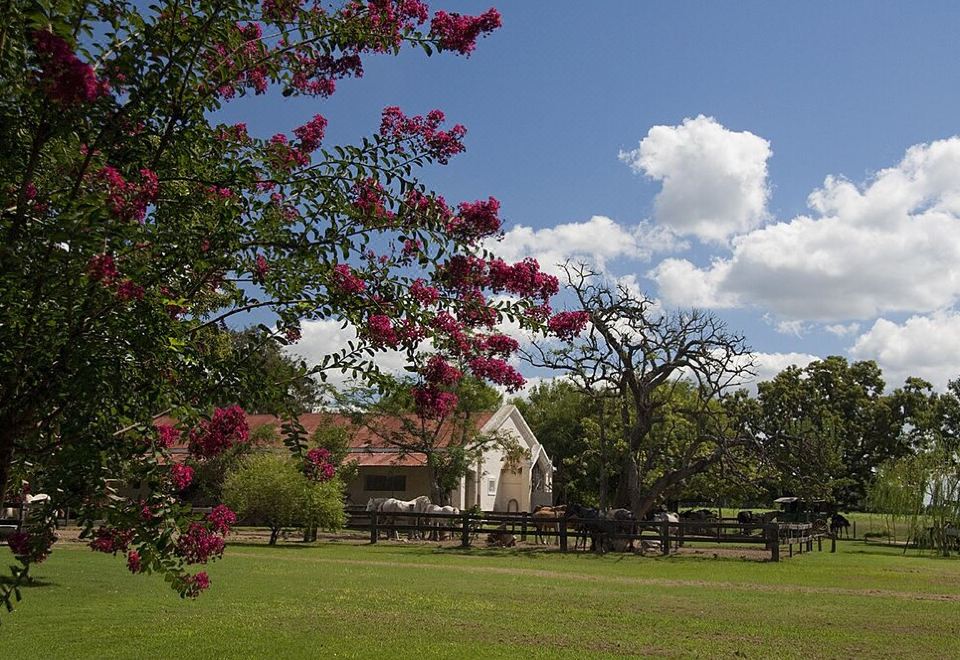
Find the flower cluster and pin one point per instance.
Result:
(426, 210)
(260, 268)
(199, 544)
(241, 67)
(524, 278)
(316, 74)
(346, 281)
(440, 372)
(64, 78)
(369, 198)
(190, 586)
(102, 268)
(133, 561)
(567, 325)
(221, 519)
(386, 21)
(125, 199)
(32, 547)
(318, 465)
(129, 290)
(476, 220)
(110, 540)
(498, 371)
(167, 435)
(227, 427)
(423, 134)
(433, 403)
(458, 32)
(497, 345)
(311, 134)
(181, 476)
(380, 330)
(423, 293)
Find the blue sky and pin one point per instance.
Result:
(841, 89)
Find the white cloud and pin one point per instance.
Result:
(842, 330)
(714, 179)
(768, 365)
(321, 338)
(923, 346)
(891, 245)
(596, 242)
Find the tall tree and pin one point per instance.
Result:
(134, 225)
(646, 355)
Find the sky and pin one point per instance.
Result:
(793, 168)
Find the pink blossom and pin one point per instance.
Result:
(19, 543)
(192, 585)
(423, 134)
(311, 134)
(424, 293)
(133, 561)
(226, 428)
(63, 76)
(101, 268)
(181, 476)
(432, 403)
(498, 345)
(111, 540)
(260, 268)
(346, 280)
(167, 435)
(125, 199)
(498, 371)
(198, 544)
(476, 220)
(369, 198)
(380, 330)
(458, 32)
(318, 464)
(567, 325)
(439, 372)
(221, 518)
(129, 290)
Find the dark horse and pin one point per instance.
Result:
(587, 523)
(838, 525)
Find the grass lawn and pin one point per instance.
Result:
(349, 600)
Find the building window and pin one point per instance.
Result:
(491, 486)
(383, 482)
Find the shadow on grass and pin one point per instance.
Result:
(31, 583)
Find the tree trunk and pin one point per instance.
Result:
(7, 435)
(274, 533)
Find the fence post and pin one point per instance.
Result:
(665, 537)
(833, 543)
(773, 541)
(563, 534)
(465, 534)
(523, 528)
(374, 532)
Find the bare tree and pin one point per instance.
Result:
(654, 361)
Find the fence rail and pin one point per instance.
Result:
(603, 534)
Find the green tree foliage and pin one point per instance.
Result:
(826, 427)
(271, 490)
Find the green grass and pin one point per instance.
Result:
(346, 600)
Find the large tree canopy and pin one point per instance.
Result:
(133, 226)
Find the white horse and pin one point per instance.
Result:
(436, 534)
(393, 508)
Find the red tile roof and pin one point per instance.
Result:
(370, 441)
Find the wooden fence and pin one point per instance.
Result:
(602, 534)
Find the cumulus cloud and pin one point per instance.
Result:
(324, 337)
(890, 245)
(596, 241)
(714, 179)
(924, 346)
(767, 365)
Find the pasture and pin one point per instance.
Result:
(348, 599)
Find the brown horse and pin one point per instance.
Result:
(545, 517)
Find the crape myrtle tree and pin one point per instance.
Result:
(133, 226)
(670, 370)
